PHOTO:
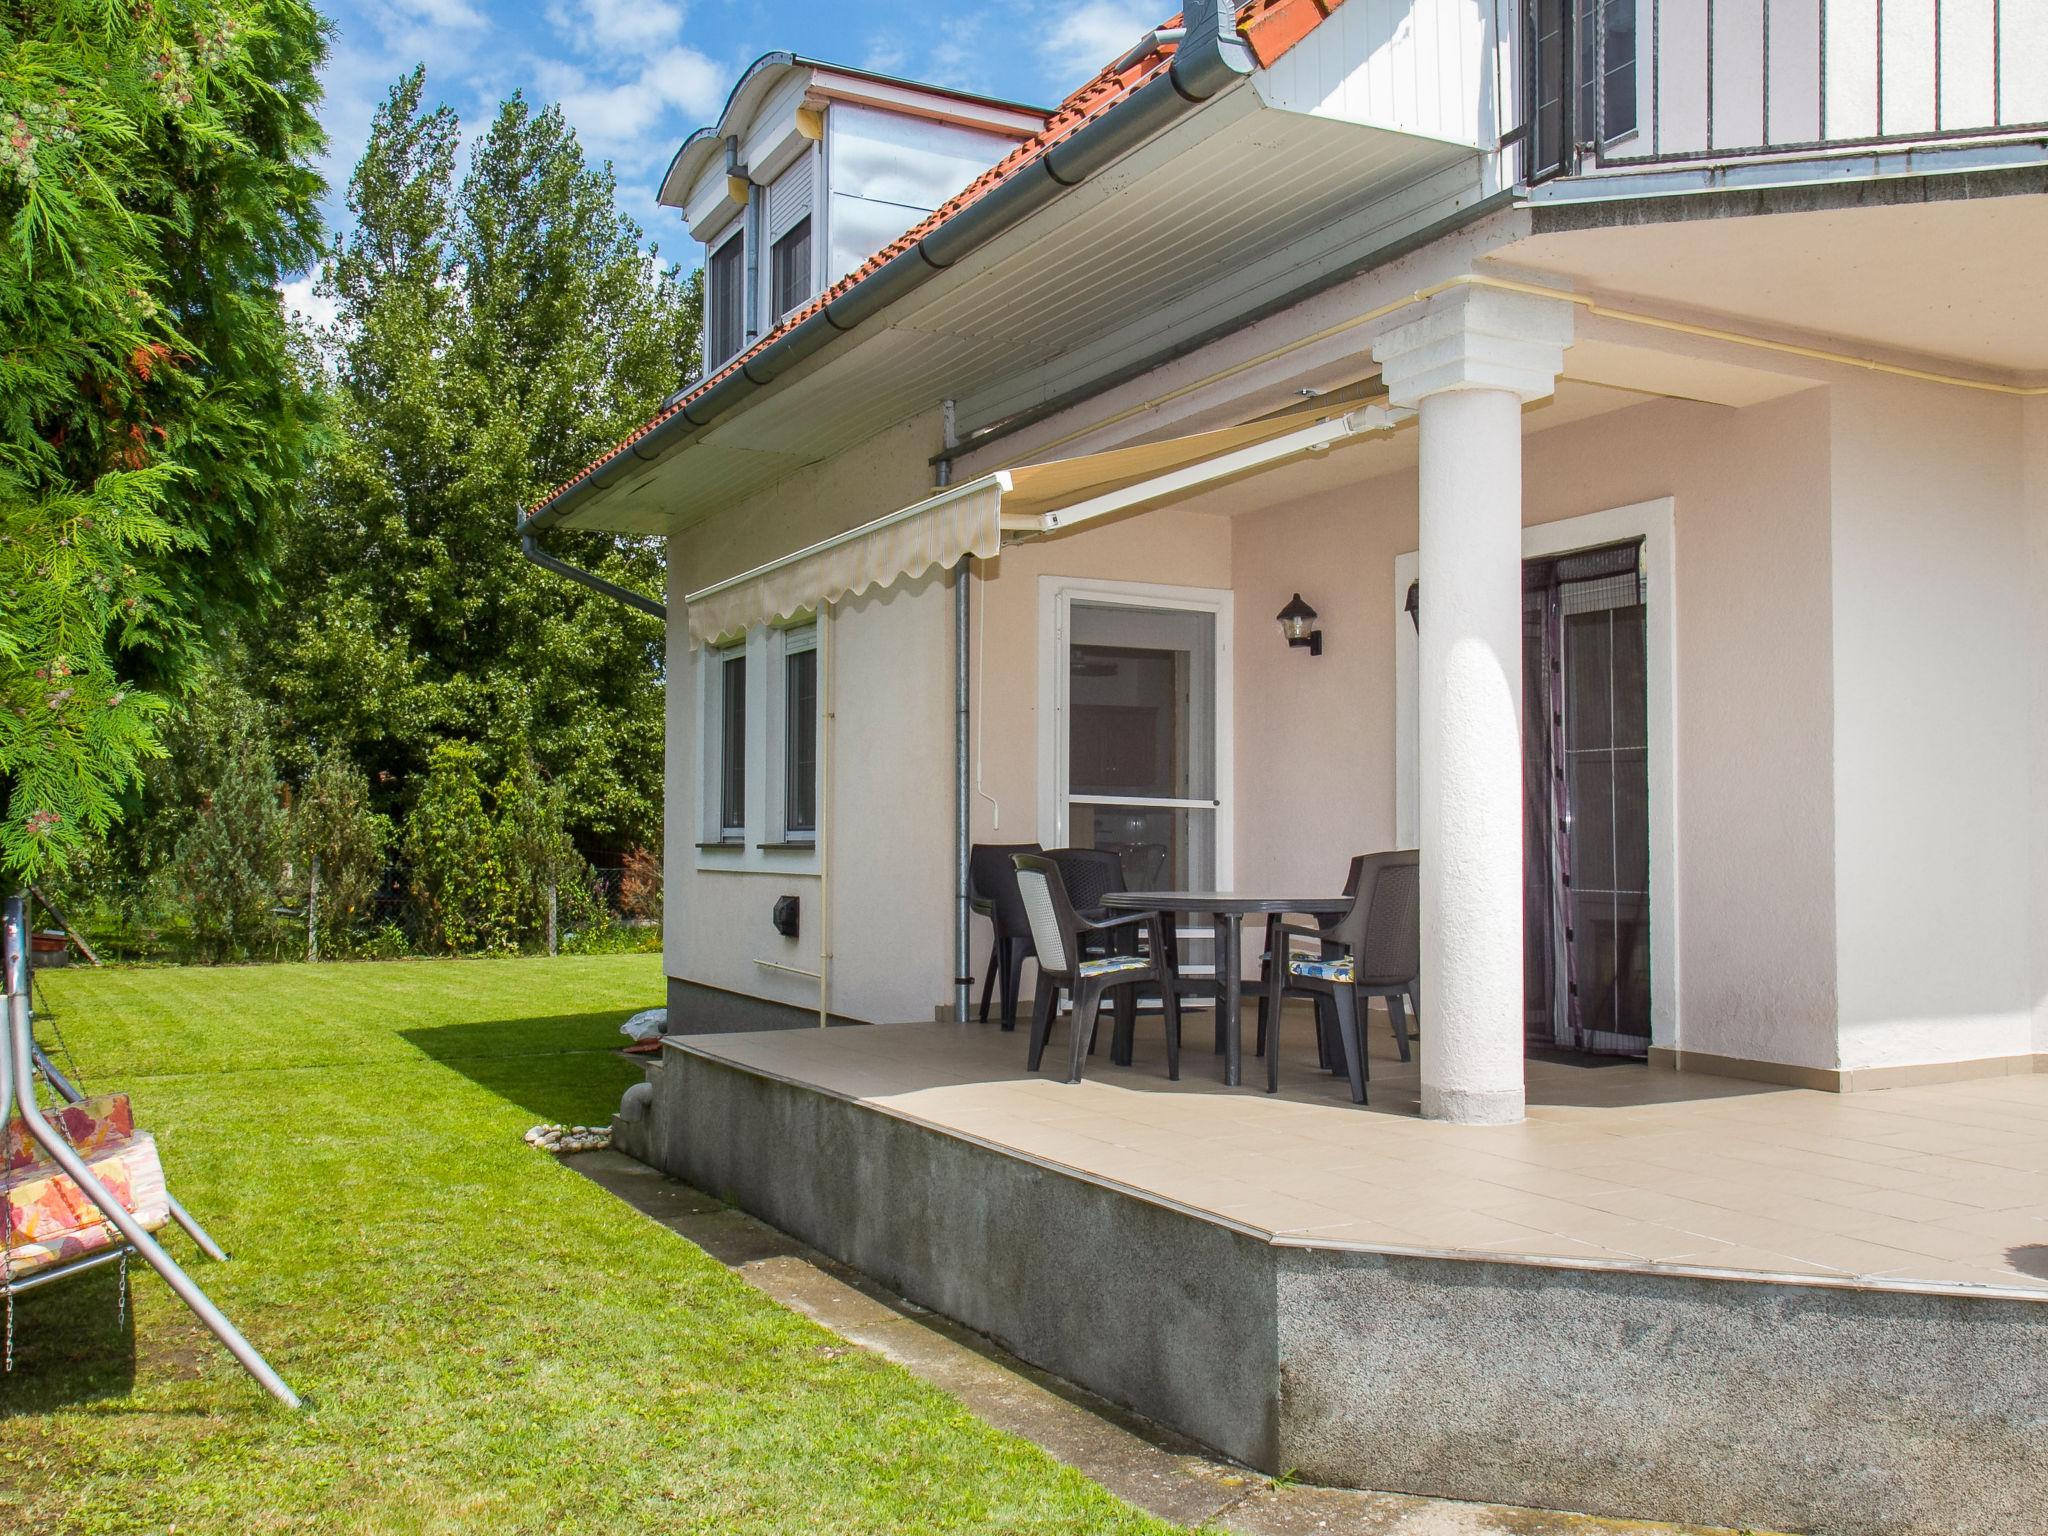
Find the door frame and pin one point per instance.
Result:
(1653, 523)
(1056, 597)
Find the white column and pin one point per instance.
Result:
(1467, 364)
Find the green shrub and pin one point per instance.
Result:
(536, 856)
(228, 857)
(340, 846)
(388, 942)
(458, 890)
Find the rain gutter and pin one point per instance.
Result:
(530, 548)
(1210, 58)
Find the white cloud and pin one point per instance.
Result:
(1082, 37)
(627, 120)
(600, 26)
(300, 299)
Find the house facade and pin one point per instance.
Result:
(1756, 312)
(1601, 447)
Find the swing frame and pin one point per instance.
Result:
(20, 1061)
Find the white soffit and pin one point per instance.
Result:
(1944, 283)
(1136, 252)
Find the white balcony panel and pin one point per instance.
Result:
(1423, 67)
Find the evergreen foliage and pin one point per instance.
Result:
(155, 185)
(228, 856)
(536, 854)
(458, 887)
(332, 822)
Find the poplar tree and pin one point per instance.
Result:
(497, 329)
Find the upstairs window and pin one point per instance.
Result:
(1583, 79)
(788, 210)
(792, 260)
(725, 299)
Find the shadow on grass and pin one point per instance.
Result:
(74, 1343)
(563, 1068)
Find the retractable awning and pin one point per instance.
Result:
(1027, 500)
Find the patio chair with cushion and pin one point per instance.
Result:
(992, 891)
(1062, 939)
(1373, 950)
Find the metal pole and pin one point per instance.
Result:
(963, 982)
(826, 816)
(15, 963)
(16, 1075)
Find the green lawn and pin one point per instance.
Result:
(486, 1341)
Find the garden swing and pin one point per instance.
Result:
(80, 1187)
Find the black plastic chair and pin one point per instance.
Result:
(1061, 937)
(1373, 950)
(1090, 874)
(992, 891)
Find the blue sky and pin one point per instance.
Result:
(636, 75)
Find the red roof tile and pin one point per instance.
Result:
(1270, 27)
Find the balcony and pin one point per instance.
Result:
(1635, 97)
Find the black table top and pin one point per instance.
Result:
(1223, 903)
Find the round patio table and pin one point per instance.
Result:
(1226, 911)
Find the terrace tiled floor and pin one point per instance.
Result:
(1616, 1164)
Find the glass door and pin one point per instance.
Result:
(1586, 909)
(1141, 740)
(1135, 733)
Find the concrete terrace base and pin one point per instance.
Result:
(1780, 1403)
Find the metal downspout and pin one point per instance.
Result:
(963, 574)
(825, 816)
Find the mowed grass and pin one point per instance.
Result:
(486, 1341)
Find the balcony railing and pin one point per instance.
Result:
(1616, 83)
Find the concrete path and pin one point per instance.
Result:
(1133, 1458)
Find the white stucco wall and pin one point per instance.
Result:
(1755, 830)
(1932, 739)
(891, 684)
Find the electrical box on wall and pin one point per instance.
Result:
(787, 909)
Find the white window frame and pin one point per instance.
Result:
(792, 639)
(813, 154)
(714, 835)
(761, 846)
(1056, 597)
(735, 230)
(1653, 524)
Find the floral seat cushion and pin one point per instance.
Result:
(1109, 965)
(48, 1219)
(1320, 969)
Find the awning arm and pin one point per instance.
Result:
(1189, 477)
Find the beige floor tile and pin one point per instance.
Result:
(1941, 1182)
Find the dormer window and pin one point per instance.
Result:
(725, 299)
(789, 236)
(792, 255)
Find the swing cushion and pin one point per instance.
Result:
(48, 1219)
(86, 1127)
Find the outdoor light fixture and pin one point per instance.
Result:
(1298, 624)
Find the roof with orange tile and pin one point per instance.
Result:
(1269, 28)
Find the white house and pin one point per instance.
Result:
(1650, 398)
(1800, 378)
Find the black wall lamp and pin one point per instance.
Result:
(1298, 624)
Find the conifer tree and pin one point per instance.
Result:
(155, 186)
